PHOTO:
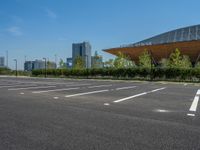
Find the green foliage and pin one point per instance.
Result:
(79, 63)
(123, 61)
(175, 74)
(109, 63)
(145, 60)
(62, 64)
(5, 71)
(197, 65)
(176, 60)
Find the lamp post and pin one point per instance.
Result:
(86, 56)
(45, 67)
(15, 67)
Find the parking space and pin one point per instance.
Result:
(99, 110)
(150, 97)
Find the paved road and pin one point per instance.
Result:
(50, 114)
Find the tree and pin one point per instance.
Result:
(197, 65)
(109, 63)
(145, 60)
(62, 64)
(123, 61)
(176, 60)
(79, 63)
(97, 60)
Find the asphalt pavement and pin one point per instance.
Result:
(70, 114)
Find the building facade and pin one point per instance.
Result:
(38, 64)
(82, 50)
(2, 61)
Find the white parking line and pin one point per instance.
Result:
(15, 85)
(192, 115)
(86, 93)
(198, 92)
(137, 95)
(126, 88)
(26, 88)
(56, 90)
(90, 87)
(194, 103)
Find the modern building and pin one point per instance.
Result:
(97, 61)
(82, 50)
(38, 64)
(28, 66)
(69, 63)
(2, 61)
(187, 40)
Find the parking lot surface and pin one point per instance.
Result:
(69, 114)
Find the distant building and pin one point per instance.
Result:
(97, 61)
(28, 66)
(82, 50)
(38, 64)
(2, 61)
(69, 63)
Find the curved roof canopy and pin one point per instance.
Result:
(187, 40)
(179, 35)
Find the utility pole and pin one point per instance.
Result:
(15, 67)
(7, 59)
(56, 60)
(45, 67)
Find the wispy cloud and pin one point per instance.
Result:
(51, 13)
(15, 31)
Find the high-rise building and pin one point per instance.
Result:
(28, 66)
(2, 61)
(82, 50)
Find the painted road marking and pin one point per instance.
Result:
(194, 104)
(137, 95)
(106, 104)
(90, 87)
(37, 87)
(126, 88)
(56, 90)
(192, 115)
(198, 92)
(56, 97)
(86, 93)
(16, 85)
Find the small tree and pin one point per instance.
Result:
(123, 61)
(62, 64)
(145, 60)
(197, 65)
(178, 61)
(79, 63)
(109, 63)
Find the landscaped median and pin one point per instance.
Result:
(136, 73)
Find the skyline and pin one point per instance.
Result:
(38, 29)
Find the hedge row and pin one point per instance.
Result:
(192, 74)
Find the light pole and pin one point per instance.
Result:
(86, 56)
(15, 67)
(45, 67)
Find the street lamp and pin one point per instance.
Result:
(45, 67)
(15, 67)
(86, 56)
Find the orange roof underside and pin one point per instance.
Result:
(191, 48)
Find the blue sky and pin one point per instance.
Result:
(43, 28)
